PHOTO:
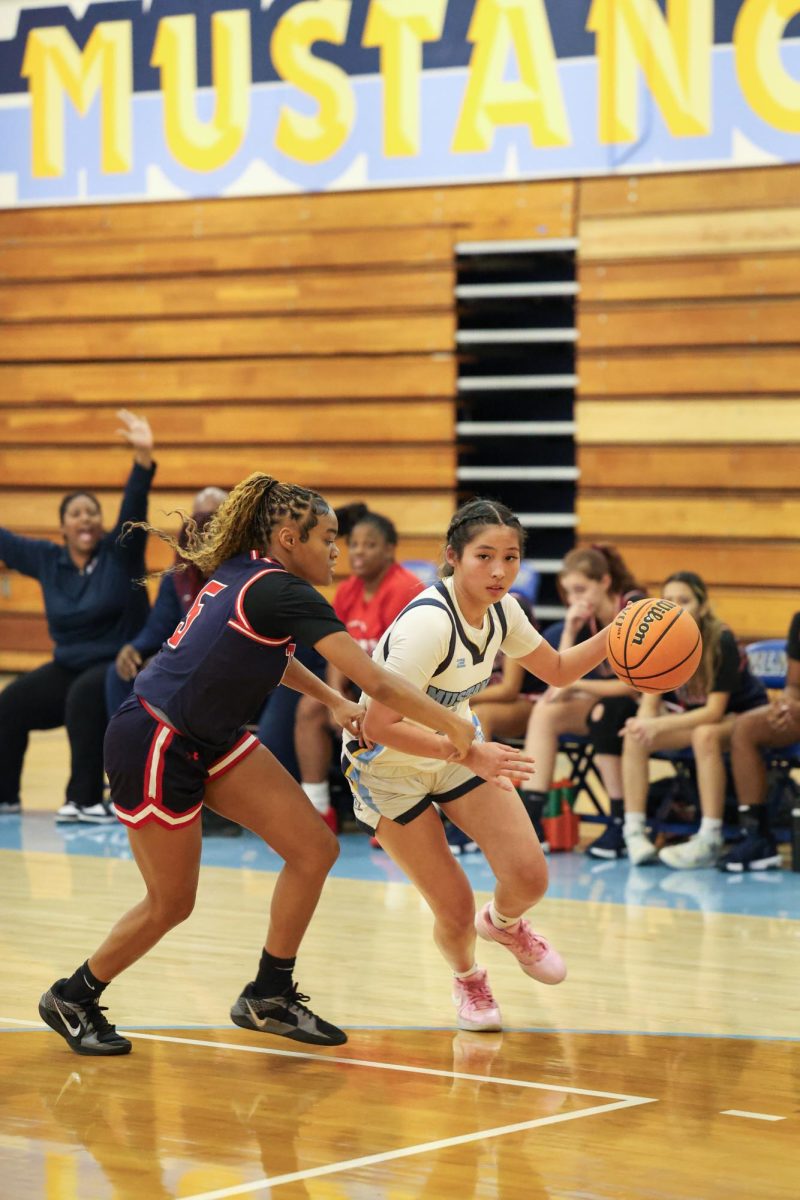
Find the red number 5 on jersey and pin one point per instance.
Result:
(212, 588)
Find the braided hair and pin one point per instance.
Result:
(244, 521)
(471, 517)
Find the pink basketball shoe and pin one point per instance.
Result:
(476, 1006)
(533, 952)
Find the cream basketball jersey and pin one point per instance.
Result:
(434, 648)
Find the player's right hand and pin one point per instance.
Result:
(128, 662)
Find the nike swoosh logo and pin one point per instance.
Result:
(263, 1022)
(86, 981)
(75, 1032)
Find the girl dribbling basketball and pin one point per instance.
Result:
(444, 642)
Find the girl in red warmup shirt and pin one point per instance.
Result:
(366, 604)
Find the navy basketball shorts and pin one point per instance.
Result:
(157, 774)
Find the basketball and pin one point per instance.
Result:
(654, 645)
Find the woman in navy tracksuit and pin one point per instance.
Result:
(94, 605)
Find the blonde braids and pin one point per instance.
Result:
(243, 522)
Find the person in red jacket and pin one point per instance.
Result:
(366, 603)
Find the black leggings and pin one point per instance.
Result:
(605, 721)
(46, 698)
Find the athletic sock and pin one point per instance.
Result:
(467, 974)
(499, 921)
(534, 805)
(319, 794)
(634, 822)
(617, 811)
(81, 986)
(755, 815)
(710, 829)
(274, 975)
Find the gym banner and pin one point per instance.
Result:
(153, 99)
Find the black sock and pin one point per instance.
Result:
(617, 811)
(534, 805)
(754, 815)
(82, 986)
(274, 975)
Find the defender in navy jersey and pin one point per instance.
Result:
(444, 642)
(179, 743)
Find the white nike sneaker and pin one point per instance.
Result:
(689, 856)
(68, 813)
(96, 814)
(640, 849)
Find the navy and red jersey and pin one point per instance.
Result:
(231, 649)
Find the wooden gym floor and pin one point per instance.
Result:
(666, 1067)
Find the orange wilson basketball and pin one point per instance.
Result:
(654, 645)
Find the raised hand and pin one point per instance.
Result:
(137, 432)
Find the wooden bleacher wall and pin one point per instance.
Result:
(313, 336)
(689, 412)
(310, 336)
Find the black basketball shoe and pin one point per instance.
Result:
(286, 1016)
(83, 1026)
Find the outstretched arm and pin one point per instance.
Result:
(394, 691)
(560, 668)
(137, 489)
(343, 711)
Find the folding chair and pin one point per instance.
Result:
(580, 752)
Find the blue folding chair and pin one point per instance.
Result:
(427, 572)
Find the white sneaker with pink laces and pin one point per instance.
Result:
(533, 952)
(476, 1006)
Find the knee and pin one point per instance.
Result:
(172, 910)
(706, 741)
(322, 852)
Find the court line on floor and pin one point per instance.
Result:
(620, 1101)
(623, 1097)
(546, 1029)
(754, 1116)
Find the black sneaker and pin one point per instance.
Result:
(286, 1016)
(83, 1026)
(755, 852)
(610, 844)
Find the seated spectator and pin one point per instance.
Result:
(277, 721)
(504, 707)
(94, 603)
(176, 594)
(770, 727)
(367, 603)
(700, 715)
(596, 584)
